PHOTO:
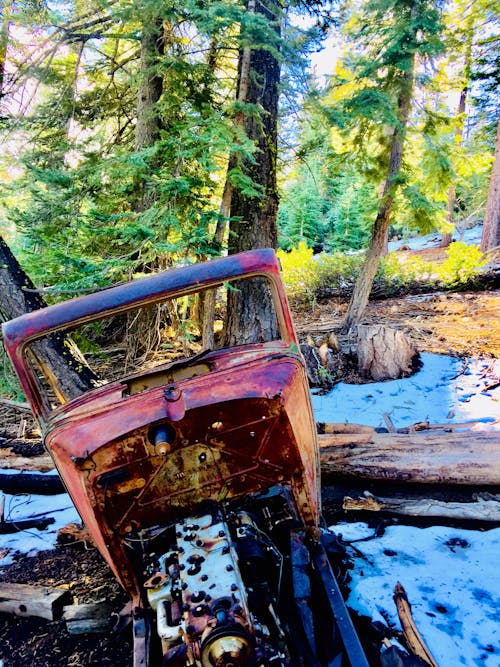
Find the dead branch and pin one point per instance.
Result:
(17, 405)
(413, 637)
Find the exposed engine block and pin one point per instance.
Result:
(202, 609)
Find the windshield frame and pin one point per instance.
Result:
(24, 330)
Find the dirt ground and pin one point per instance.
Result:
(455, 323)
(25, 642)
(465, 324)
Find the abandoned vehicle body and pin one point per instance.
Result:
(198, 476)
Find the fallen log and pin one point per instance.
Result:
(480, 509)
(437, 457)
(27, 600)
(15, 525)
(31, 482)
(12, 461)
(17, 405)
(421, 453)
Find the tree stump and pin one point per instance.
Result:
(384, 353)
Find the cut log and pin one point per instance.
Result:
(437, 457)
(479, 510)
(41, 484)
(93, 618)
(26, 600)
(384, 353)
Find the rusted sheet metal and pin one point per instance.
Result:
(239, 432)
(154, 448)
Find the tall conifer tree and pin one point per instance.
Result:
(396, 33)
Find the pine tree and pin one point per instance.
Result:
(395, 32)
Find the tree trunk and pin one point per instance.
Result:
(364, 283)
(63, 359)
(459, 125)
(225, 205)
(253, 217)
(147, 129)
(491, 226)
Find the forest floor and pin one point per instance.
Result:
(453, 323)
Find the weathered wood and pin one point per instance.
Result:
(17, 405)
(384, 353)
(31, 483)
(15, 525)
(410, 630)
(27, 600)
(471, 457)
(12, 461)
(344, 434)
(479, 510)
(92, 618)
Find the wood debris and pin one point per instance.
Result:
(410, 631)
(28, 600)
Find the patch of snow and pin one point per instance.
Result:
(445, 390)
(450, 577)
(469, 236)
(24, 506)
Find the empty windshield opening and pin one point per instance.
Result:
(172, 332)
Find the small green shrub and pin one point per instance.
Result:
(306, 276)
(300, 273)
(339, 270)
(463, 264)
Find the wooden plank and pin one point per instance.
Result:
(27, 600)
(91, 618)
(471, 457)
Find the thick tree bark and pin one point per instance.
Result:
(147, 129)
(491, 226)
(208, 315)
(58, 354)
(450, 206)
(364, 283)
(253, 218)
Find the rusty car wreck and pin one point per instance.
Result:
(199, 480)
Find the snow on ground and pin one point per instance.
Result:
(451, 579)
(469, 236)
(450, 575)
(25, 506)
(445, 390)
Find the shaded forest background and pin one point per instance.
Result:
(139, 135)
